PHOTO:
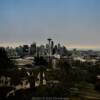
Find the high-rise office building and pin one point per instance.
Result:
(33, 49)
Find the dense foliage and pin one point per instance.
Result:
(5, 62)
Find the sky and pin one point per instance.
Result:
(74, 23)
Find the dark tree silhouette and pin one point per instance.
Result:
(5, 62)
(40, 61)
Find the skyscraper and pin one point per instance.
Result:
(33, 49)
(49, 40)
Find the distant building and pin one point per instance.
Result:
(55, 49)
(25, 50)
(19, 51)
(42, 50)
(50, 42)
(33, 49)
(11, 52)
(52, 46)
(47, 49)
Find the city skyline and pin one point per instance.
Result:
(74, 23)
(69, 47)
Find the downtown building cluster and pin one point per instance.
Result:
(49, 49)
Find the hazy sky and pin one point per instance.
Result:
(75, 23)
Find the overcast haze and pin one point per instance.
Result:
(75, 23)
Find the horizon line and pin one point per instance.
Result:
(68, 46)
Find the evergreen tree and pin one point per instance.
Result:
(5, 62)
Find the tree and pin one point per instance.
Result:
(40, 61)
(65, 77)
(5, 62)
